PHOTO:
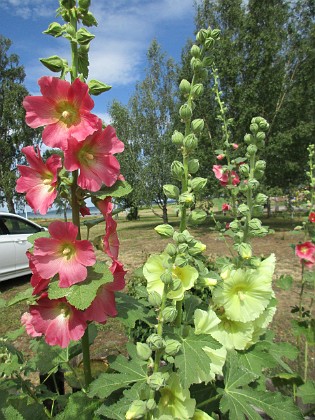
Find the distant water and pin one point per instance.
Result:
(52, 214)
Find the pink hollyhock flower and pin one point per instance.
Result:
(311, 217)
(39, 181)
(226, 207)
(235, 146)
(94, 157)
(39, 284)
(104, 304)
(306, 252)
(56, 319)
(227, 226)
(64, 110)
(111, 241)
(220, 157)
(223, 176)
(63, 254)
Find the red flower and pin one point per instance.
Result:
(64, 111)
(220, 157)
(94, 157)
(84, 210)
(39, 181)
(111, 241)
(226, 207)
(311, 217)
(63, 254)
(56, 319)
(306, 253)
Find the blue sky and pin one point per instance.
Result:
(118, 52)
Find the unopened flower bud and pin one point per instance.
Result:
(196, 64)
(254, 128)
(179, 238)
(198, 184)
(193, 166)
(169, 314)
(197, 90)
(260, 136)
(185, 112)
(167, 277)
(243, 209)
(202, 35)
(155, 342)
(172, 347)
(155, 299)
(251, 150)
(177, 169)
(198, 248)
(260, 165)
(137, 410)
(209, 282)
(171, 191)
(143, 351)
(67, 4)
(184, 86)
(253, 183)
(182, 248)
(195, 51)
(151, 404)
(244, 250)
(170, 250)
(215, 33)
(190, 142)
(234, 225)
(197, 125)
(187, 199)
(248, 138)
(180, 261)
(261, 199)
(177, 283)
(165, 230)
(209, 42)
(156, 380)
(177, 138)
(263, 125)
(244, 170)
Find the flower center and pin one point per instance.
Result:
(67, 113)
(67, 251)
(64, 310)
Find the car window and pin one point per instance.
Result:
(15, 226)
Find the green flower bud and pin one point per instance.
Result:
(244, 170)
(190, 142)
(197, 216)
(156, 380)
(209, 42)
(182, 248)
(258, 174)
(67, 4)
(96, 87)
(155, 342)
(54, 63)
(202, 35)
(171, 191)
(54, 29)
(155, 299)
(260, 136)
(261, 199)
(254, 128)
(151, 404)
(177, 138)
(143, 351)
(165, 230)
(89, 20)
(177, 284)
(215, 33)
(84, 36)
(198, 248)
(193, 166)
(179, 238)
(137, 410)
(195, 51)
(169, 314)
(185, 112)
(84, 4)
(248, 138)
(251, 149)
(244, 250)
(177, 169)
(207, 61)
(167, 277)
(186, 199)
(170, 250)
(243, 209)
(234, 225)
(243, 187)
(197, 125)
(172, 347)
(253, 183)
(263, 125)
(198, 183)
(197, 90)
(260, 165)
(255, 224)
(196, 64)
(184, 86)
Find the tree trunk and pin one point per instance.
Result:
(164, 209)
(10, 204)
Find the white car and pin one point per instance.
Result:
(14, 231)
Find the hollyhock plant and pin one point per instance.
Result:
(306, 253)
(39, 180)
(56, 319)
(63, 254)
(63, 109)
(94, 157)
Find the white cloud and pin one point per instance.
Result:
(30, 9)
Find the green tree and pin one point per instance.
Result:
(14, 133)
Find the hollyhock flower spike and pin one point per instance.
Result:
(94, 157)
(64, 111)
(39, 180)
(56, 319)
(63, 254)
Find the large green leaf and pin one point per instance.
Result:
(47, 357)
(131, 310)
(242, 402)
(192, 362)
(256, 358)
(307, 392)
(82, 294)
(20, 297)
(79, 406)
(119, 189)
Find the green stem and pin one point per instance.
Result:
(208, 401)
(249, 197)
(32, 394)
(74, 46)
(158, 353)
(86, 358)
